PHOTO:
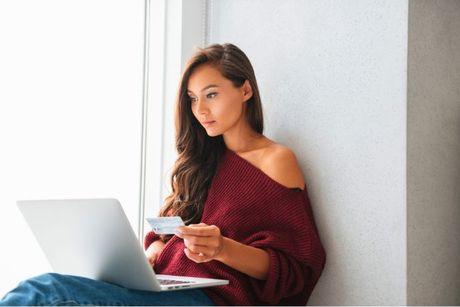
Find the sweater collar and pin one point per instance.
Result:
(262, 175)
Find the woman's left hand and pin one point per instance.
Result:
(203, 242)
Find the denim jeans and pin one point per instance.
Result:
(68, 290)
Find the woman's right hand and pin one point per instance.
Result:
(153, 251)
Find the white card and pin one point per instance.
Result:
(165, 224)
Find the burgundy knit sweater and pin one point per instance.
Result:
(250, 207)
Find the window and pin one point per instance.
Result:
(70, 113)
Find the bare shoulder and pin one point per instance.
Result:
(280, 163)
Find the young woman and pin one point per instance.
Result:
(242, 196)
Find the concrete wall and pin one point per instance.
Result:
(332, 76)
(433, 153)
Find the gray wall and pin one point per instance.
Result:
(433, 156)
(367, 94)
(332, 76)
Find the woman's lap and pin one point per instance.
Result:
(57, 289)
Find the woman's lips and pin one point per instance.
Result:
(209, 123)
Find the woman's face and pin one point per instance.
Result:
(214, 98)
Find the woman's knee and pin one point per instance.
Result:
(48, 276)
(49, 283)
(35, 290)
(46, 279)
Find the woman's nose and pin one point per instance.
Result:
(201, 108)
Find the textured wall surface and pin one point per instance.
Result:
(332, 76)
(433, 183)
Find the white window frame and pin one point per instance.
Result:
(173, 28)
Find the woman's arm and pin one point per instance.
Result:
(205, 243)
(244, 258)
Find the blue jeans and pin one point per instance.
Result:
(68, 290)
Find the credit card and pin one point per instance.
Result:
(166, 224)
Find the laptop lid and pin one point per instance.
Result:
(90, 238)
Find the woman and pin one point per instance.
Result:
(241, 195)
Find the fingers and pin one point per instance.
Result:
(196, 257)
(199, 225)
(198, 230)
(199, 241)
(200, 250)
(202, 242)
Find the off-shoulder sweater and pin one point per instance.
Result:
(250, 207)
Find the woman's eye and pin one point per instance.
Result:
(192, 99)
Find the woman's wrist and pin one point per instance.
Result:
(223, 254)
(244, 258)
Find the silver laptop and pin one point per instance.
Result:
(93, 238)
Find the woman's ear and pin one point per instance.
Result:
(247, 90)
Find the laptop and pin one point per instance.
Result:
(93, 238)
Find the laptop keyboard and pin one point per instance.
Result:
(173, 282)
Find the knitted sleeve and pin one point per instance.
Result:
(297, 258)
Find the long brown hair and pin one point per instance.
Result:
(198, 153)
